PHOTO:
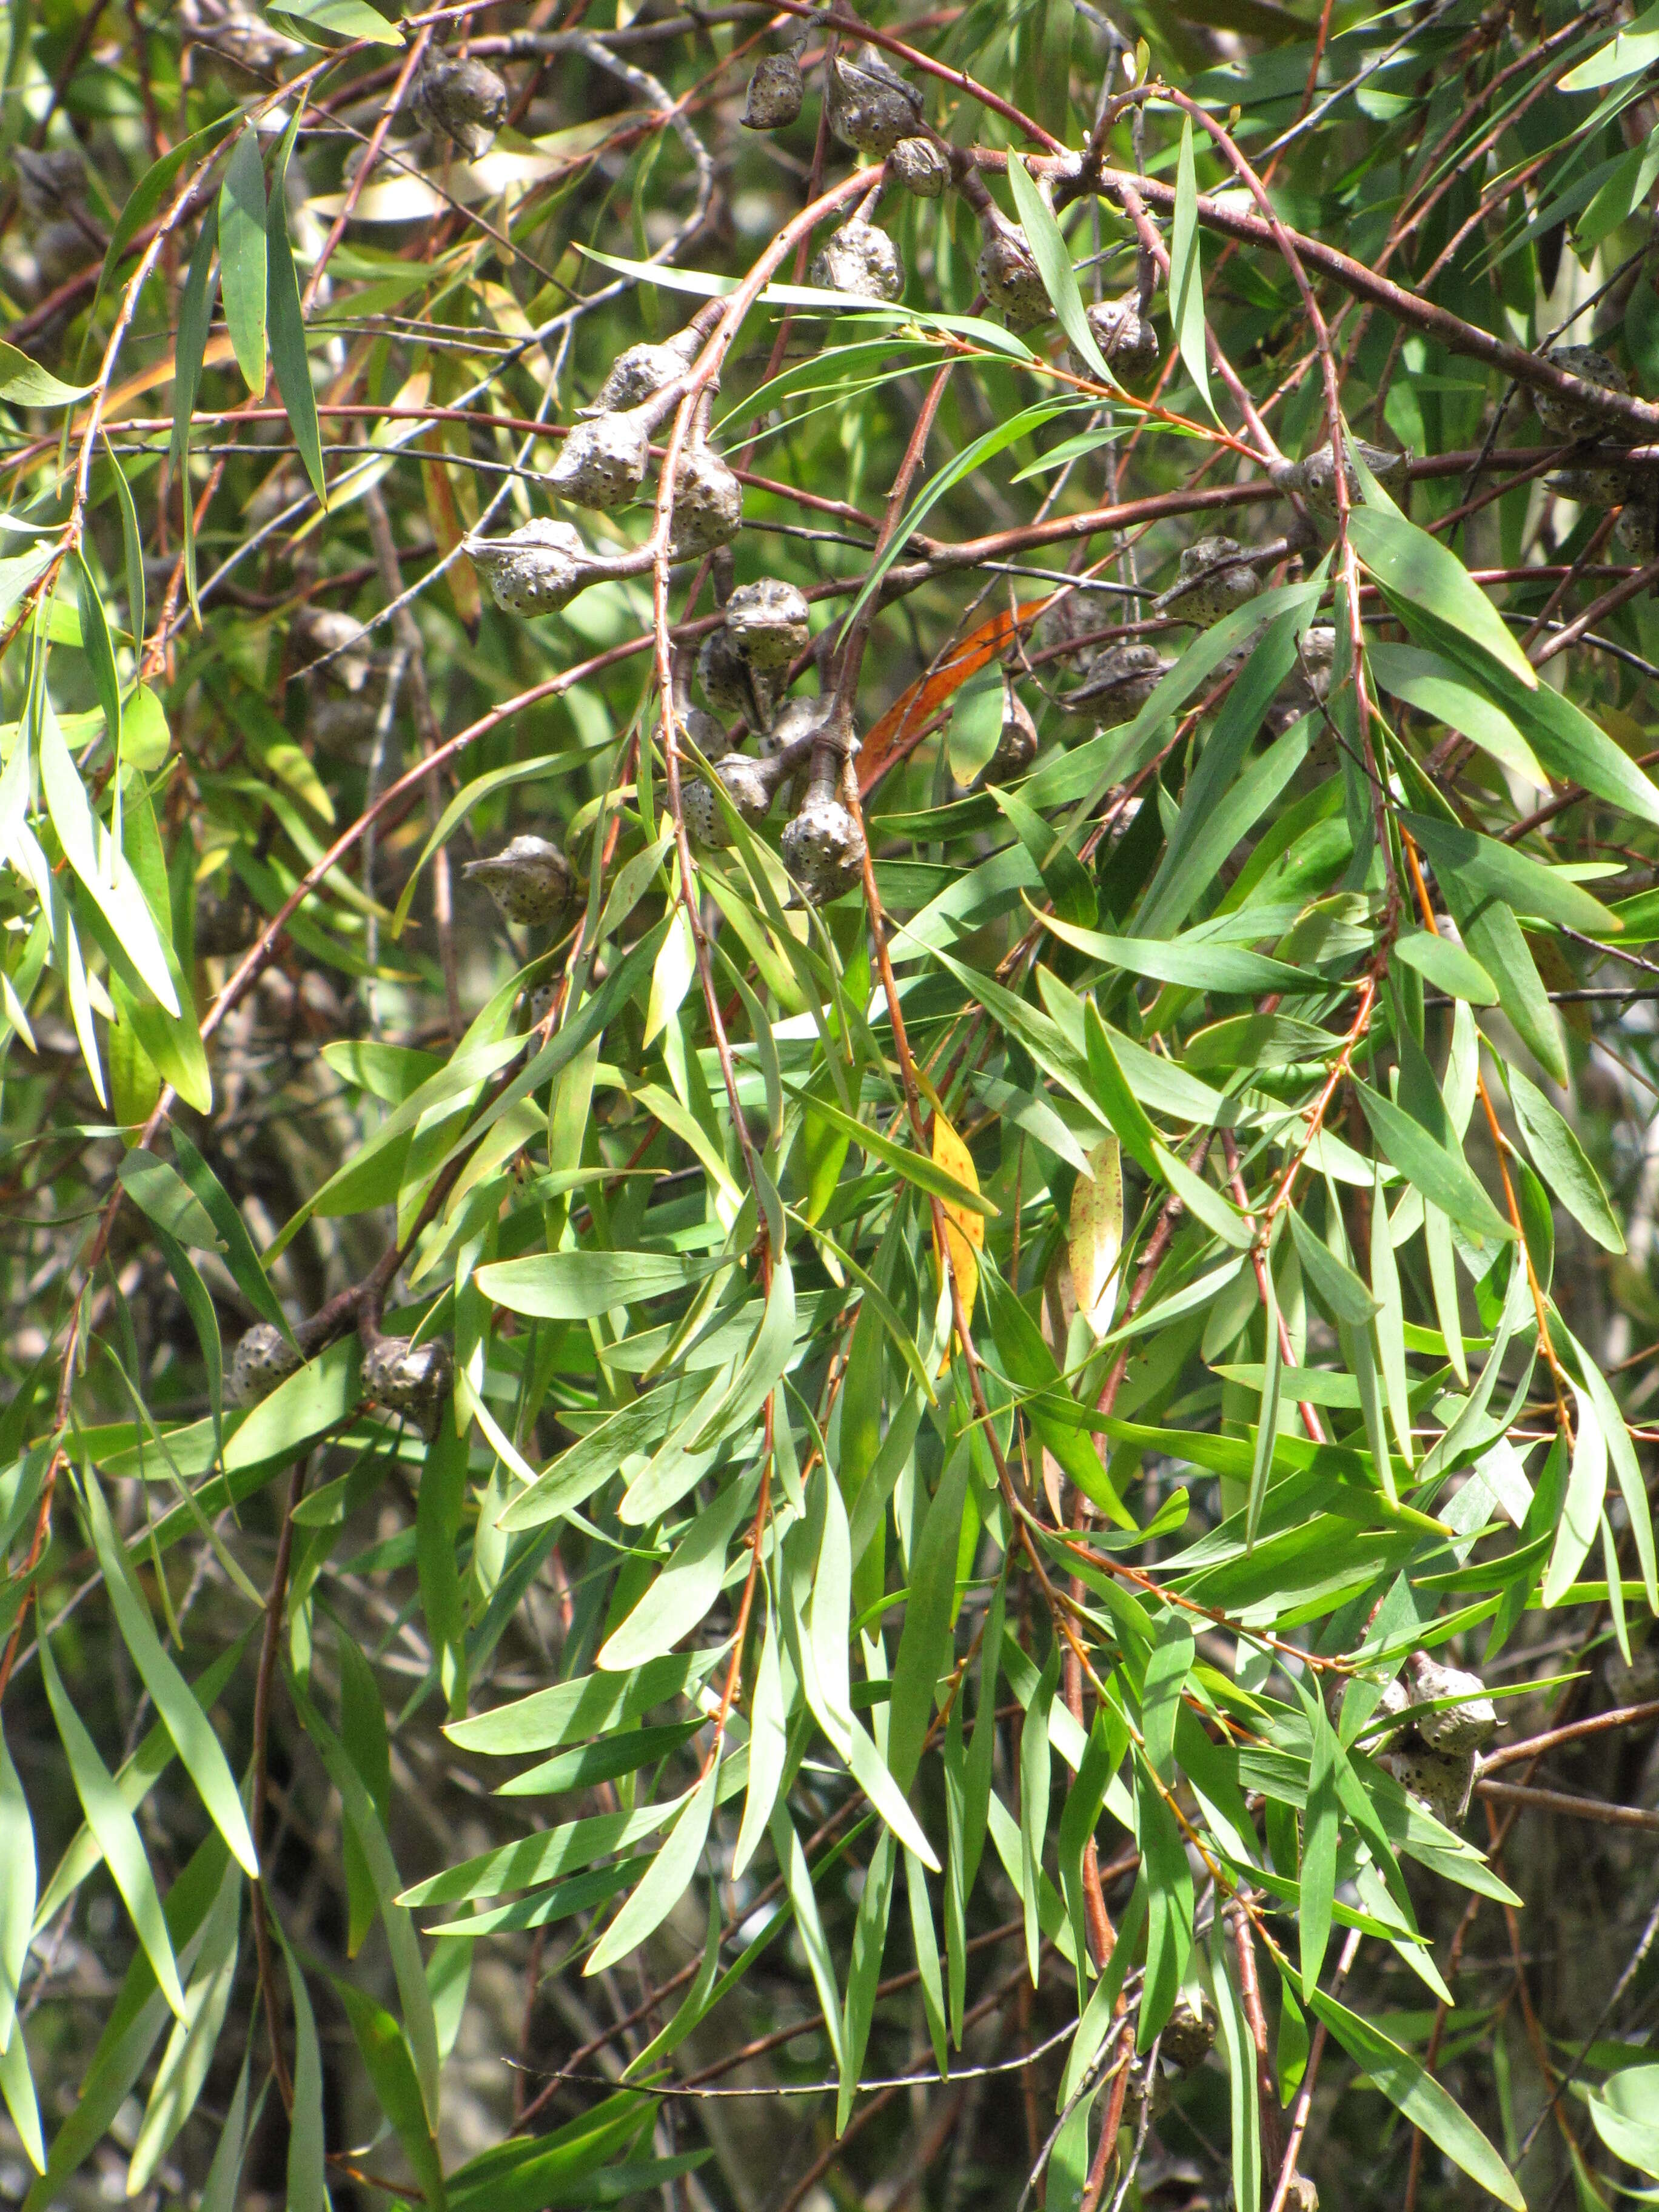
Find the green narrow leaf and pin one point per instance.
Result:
(17, 2087)
(198, 1748)
(1581, 1511)
(869, 1940)
(820, 1960)
(1266, 1434)
(1168, 1666)
(117, 1832)
(1335, 1285)
(666, 1881)
(242, 257)
(1408, 562)
(437, 1525)
(287, 325)
(767, 1748)
(1238, 2048)
(1169, 1884)
(195, 321)
(1186, 270)
(18, 1892)
(184, 2063)
(390, 2068)
(1036, 1774)
(923, 1652)
(1562, 1161)
(363, 1735)
(230, 1233)
(1443, 1178)
(1320, 1828)
(224, 2176)
(146, 199)
(1412, 2090)
(1048, 248)
(926, 1949)
(308, 2184)
(96, 644)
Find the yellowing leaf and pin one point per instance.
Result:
(1096, 1235)
(964, 1230)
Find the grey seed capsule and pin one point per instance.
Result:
(749, 786)
(776, 93)
(410, 1379)
(319, 631)
(824, 846)
(264, 1358)
(1461, 1728)
(860, 260)
(1636, 533)
(240, 34)
(343, 726)
(1189, 2032)
(1213, 579)
(225, 924)
(732, 685)
(537, 568)
(1017, 744)
(1315, 476)
(1012, 281)
(1597, 487)
(603, 461)
(869, 106)
(708, 503)
(460, 100)
(1318, 655)
(767, 622)
(1119, 684)
(1578, 418)
(644, 370)
(531, 881)
(920, 167)
(1126, 337)
(705, 733)
(1441, 1785)
(541, 1003)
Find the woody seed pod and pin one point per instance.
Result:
(861, 260)
(1008, 270)
(708, 503)
(339, 641)
(776, 93)
(343, 726)
(733, 687)
(1125, 335)
(410, 1379)
(920, 167)
(1189, 2032)
(1578, 418)
(1441, 1785)
(643, 371)
(1462, 1727)
(1119, 684)
(1016, 745)
(750, 785)
(530, 880)
(767, 622)
(1315, 476)
(603, 461)
(536, 567)
(541, 1003)
(460, 100)
(869, 106)
(264, 1358)
(1213, 579)
(824, 846)
(1636, 531)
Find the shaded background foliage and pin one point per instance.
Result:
(1036, 1344)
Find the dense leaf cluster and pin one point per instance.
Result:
(826, 860)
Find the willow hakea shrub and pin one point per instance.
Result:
(828, 861)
